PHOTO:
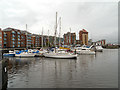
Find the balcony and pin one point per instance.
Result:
(13, 45)
(5, 39)
(5, 42)
(18, 39)
(13, 42)
(18, 32)
(13, 35)
(18, 36)
(13, 32)
(5, 35)
(13, 39)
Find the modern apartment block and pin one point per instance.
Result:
(15, 38)
(69, 38)
(36, 40)
(28, 39)
(11, 38)
(83, 37)
(23, 39)
(0, 38)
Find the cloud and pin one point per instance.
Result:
(98, 18)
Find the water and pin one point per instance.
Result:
(88, 71)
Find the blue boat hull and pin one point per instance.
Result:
(9, 55)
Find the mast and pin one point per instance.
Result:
(42, 37)
(55, 31)
(70, 37)
(26, 38)
(59, 31)
(48, 38)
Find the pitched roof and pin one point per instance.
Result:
(83, 30)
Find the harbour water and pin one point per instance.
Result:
(87, 71)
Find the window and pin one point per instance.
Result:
(18, 32)
(13, 32)
(13, 39)
(13, 35)
(13, 45)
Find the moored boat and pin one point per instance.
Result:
(98, 48)
(60, 55)
(10, 54)
(24, 54)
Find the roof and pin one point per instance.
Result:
(83, 30)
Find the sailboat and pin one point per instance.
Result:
(59, 55)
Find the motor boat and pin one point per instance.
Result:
(84, 50)
(24, 54)
(98, 48)
(10, 54)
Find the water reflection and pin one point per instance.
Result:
(86, 71)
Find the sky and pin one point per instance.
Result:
(99, 18)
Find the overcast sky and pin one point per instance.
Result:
(100, 19)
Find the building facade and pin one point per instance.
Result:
(0, 38)
(11, 38)
(36, 40)
(83, 37)
(101, 42)
(69, 38)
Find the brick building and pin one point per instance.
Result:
(69, 38)
(0, 38)
(83, 37)
(11, 38)
(36, 40)
(23, 39)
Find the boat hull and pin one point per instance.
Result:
(9, 55)
(86, 52)
(60, 56)
(24, 55)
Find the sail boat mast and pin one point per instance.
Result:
(55, 31)
(48, 38)
(59, 31)
(26, 38)
(42, 37)
(70, 37)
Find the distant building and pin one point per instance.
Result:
(83, 37)
(36, 40)
(78, 42)
(90, 42)
(0, 38)
(69, 38)
(101, 42)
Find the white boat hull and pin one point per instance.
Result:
(25, 55)
(85, 52)
(60, 55)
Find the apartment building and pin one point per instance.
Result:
(0, 38)
(83, 37)
(69, 38)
